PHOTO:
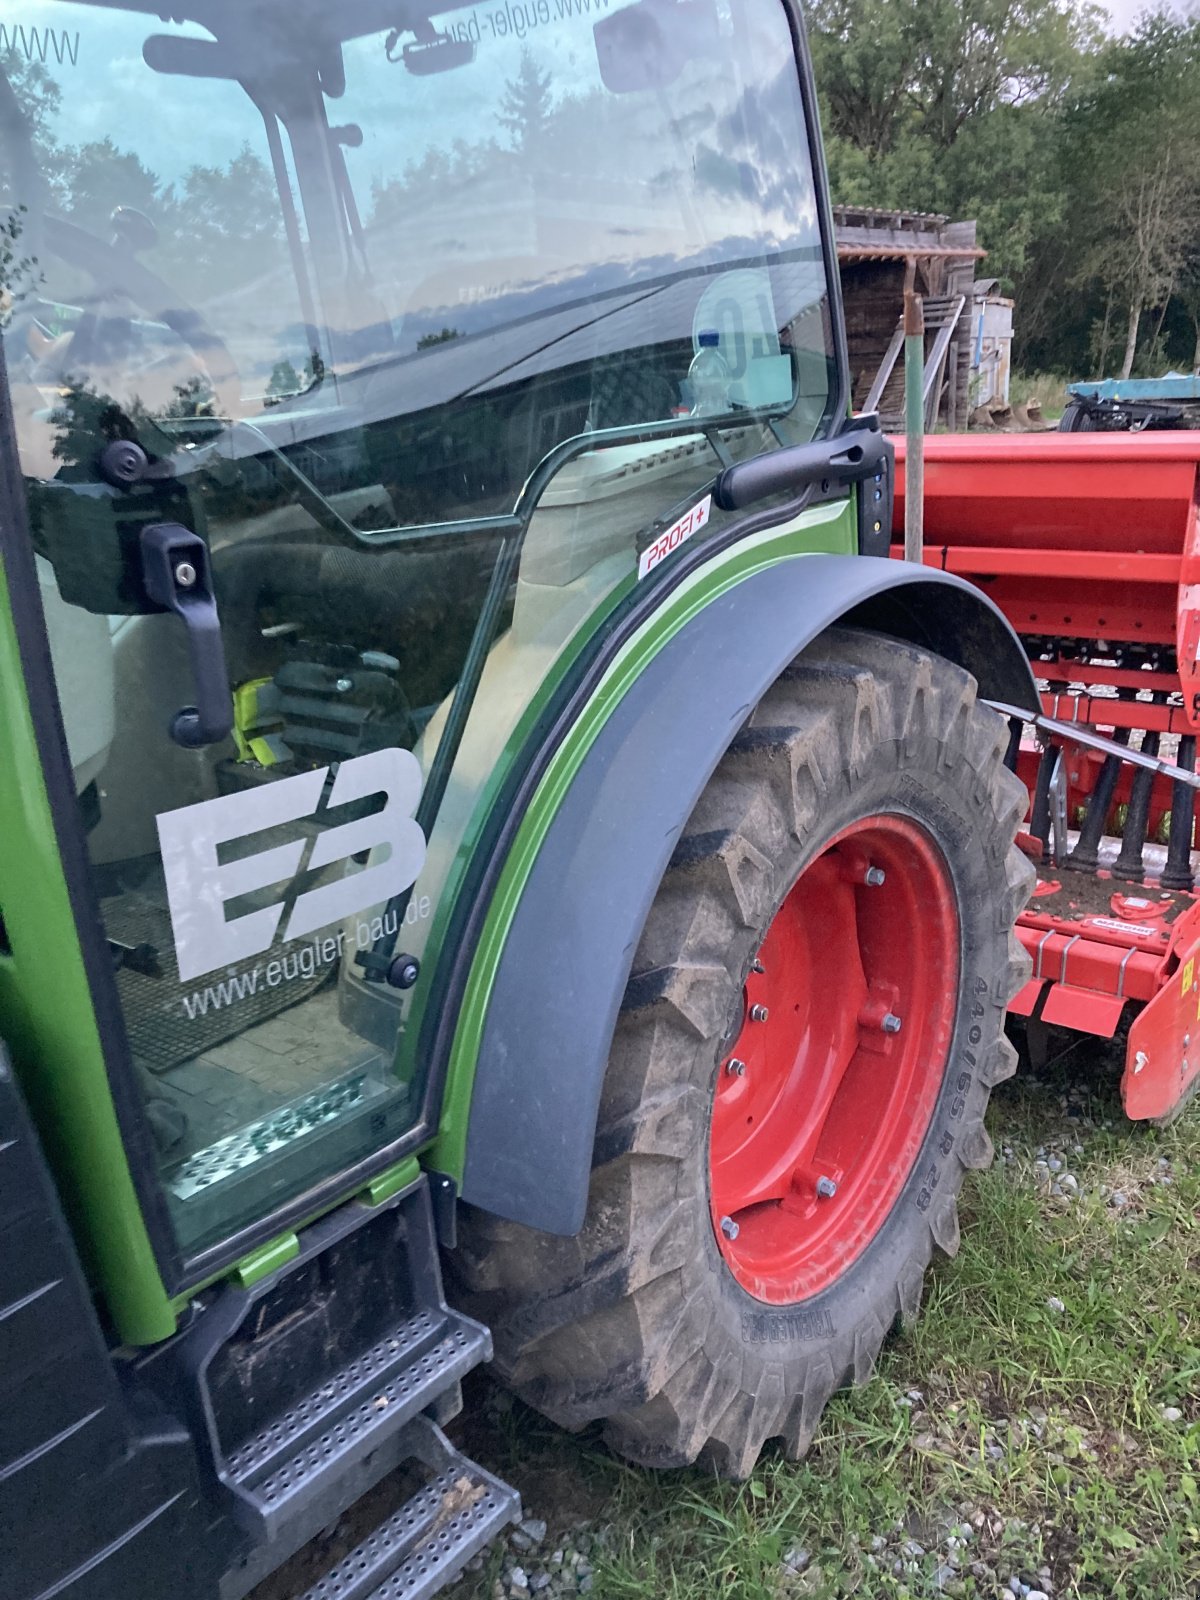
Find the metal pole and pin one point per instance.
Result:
(914, 418)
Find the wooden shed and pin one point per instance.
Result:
(876, 249)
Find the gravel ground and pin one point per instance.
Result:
(536, 1561)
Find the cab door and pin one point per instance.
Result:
(351, 413)
(226, 649)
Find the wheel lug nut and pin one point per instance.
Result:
(735, 1066)
(826, 1188)
(874, 877)
(729, 1228)
(759, 1013)
(891, 1023)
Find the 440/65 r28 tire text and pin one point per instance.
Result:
(798, 1077)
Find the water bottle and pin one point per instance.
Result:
(709, 377)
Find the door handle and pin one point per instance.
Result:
(851, 456)
(178, 577)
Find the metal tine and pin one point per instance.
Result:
(1077, 733)
(1058, 809)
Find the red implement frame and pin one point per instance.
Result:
(1090, 545)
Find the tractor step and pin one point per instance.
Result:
(288, 1463)
(429, 1540)
(311, 1384)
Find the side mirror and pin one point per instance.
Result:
(647, 44)
(187, 58)
(133, 230)
(431, 52)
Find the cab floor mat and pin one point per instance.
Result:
(169, 1022)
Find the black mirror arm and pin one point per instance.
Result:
(854, 455)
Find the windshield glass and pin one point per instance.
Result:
(473, 234)
(435, 326)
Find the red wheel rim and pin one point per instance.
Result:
(821, 1091)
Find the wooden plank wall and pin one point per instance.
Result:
(873, 295)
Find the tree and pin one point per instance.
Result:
(84, 419)
(1187, 292)
(29, 99)
(525, 110)
(194, 397)
(284, 380)
(863, 58)
(1154, 231)
(956, 106)
(1078, 155)
(223, 226)
(36, 92)
(446, 336)
(17, 270)
(94, 179)
(1131, 154)
(973, 56)
(931, 67)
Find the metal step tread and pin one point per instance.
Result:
(369, 1412)
(424, 1545)
(316, 1410)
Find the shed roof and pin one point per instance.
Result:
(868, 234)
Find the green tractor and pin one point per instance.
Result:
(493, 863)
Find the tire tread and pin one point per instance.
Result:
(604, 1326)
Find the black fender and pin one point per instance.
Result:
(566, 961)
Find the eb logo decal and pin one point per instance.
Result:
(199, 885)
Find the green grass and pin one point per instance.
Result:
(1044, 1428)
(1050, 388)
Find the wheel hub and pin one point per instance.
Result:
(826, 1095)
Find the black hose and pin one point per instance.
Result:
(1086, 855)
(1128, 866)
(1014, 743)
(1178, 871)
(1039, 818)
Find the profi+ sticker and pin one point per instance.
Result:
(678, 533)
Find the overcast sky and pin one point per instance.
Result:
(1125, 12)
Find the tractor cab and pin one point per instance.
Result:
(350, 361)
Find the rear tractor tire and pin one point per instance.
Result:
(798, 1077)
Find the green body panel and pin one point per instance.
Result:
(831, 529)
(263, 1262)
(48, 1021)
(390, 1182)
